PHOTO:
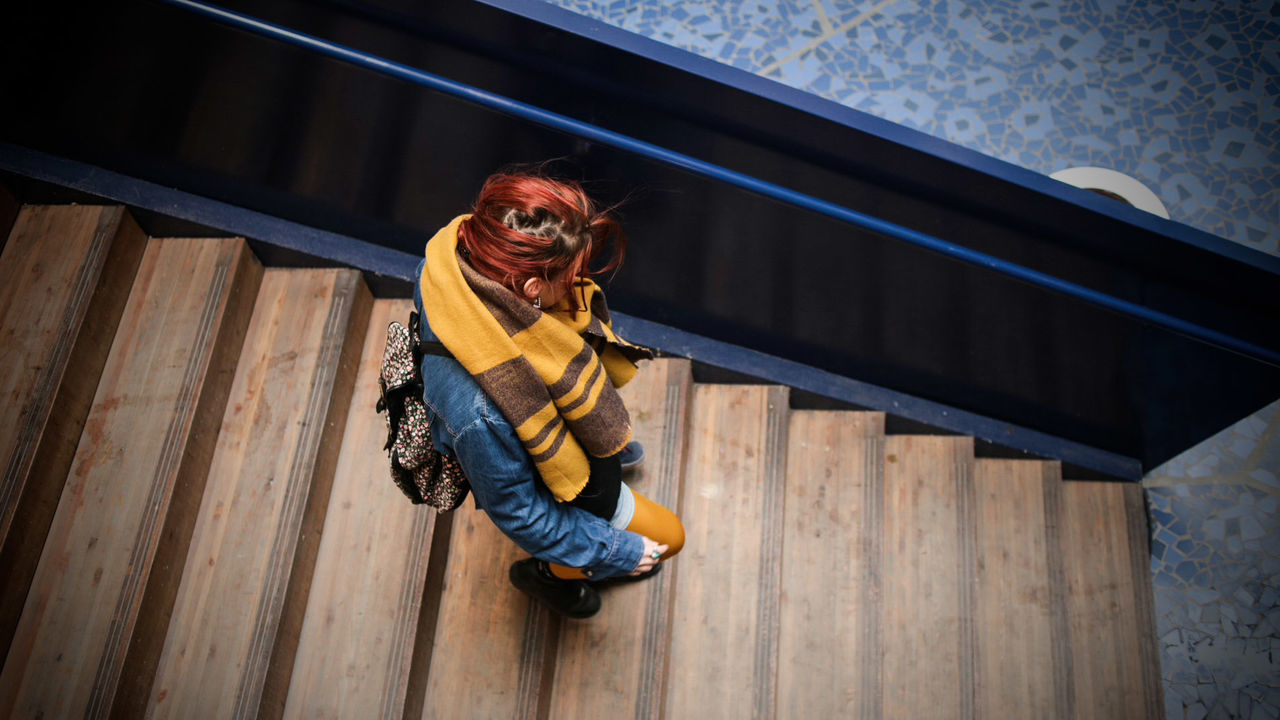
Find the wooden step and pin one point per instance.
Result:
(926, 570)
(1111, 610)
(360, 631)
(724, 629)
(135, 481)
(234, 629)
(613, 664)
(492, 645)
(828, 662)
(65, 274)
(1024, 658)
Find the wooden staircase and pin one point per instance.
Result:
(197, 522)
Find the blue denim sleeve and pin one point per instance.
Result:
(507, 487)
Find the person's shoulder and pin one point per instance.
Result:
(457, 397)
(454, 393)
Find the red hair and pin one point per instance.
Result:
(529, 226)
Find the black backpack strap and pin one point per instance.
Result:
(425, 347)
(433, 347)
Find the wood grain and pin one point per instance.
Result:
(614, 664)
(1109, 627)
(85, 598)
(826, 667)
(253, 549)
(724, 627)
(492, 643)
(360, 627)
(1017, 667)
(65, 275)
(927, 578)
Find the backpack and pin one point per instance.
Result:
(423, 474)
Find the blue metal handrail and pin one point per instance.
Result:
(600, 135)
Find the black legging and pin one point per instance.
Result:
(604, 484)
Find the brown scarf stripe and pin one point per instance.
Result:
(586, 391)
(513, 317)
(590, 430)
(600, 310)
(516, 389)
(572, 373)
(562, 435)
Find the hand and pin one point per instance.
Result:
(647, 560)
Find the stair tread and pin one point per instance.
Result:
(946, 593)
(1116, 673)
(829, 570)
(266, 480)
(359, 632)
(723, 634)
(611, 665)
(826, 664)
(926, 564)
(65, 273)
(88, 588)
(42, 277)
(491, 640)
(1021, 618)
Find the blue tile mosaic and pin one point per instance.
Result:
(1183, 96)
(1218, 604)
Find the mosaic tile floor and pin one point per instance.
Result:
(1183, 96)
(1215, 568)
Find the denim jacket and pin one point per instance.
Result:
(504, 481)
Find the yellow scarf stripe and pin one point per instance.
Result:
(441, 278)
(620, 369)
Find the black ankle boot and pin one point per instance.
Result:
(571, 598)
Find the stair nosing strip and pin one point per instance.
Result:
(532, 654)
(284, 542)
(871, 681)
(652, 655)
(403, 624)
(111, 660)
(770, 587)
(1060, 623)
(966, 594)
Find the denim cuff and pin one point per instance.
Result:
(623, 557)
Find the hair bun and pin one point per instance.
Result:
(530, 226)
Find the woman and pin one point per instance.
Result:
(528, 403)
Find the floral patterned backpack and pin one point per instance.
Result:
(423, 474)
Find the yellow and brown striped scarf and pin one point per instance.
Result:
(553, 375)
